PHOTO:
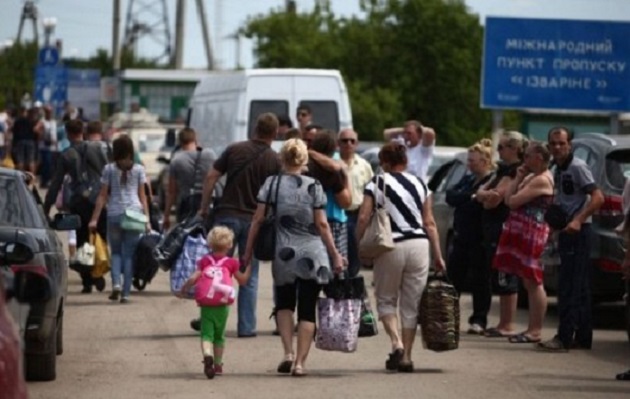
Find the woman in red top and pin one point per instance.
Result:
(525, 234)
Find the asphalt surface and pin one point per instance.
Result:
(145, 349)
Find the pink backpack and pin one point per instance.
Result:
(214, 287)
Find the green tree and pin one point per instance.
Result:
(402, 59)
(17, 70)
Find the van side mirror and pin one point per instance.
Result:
(15, 253)
(171, 139)
(65, 222)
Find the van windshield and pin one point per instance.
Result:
(325, 113)
(280, 108)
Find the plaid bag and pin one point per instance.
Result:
(195, 247)
(438, 315)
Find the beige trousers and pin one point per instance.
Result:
(400, 276)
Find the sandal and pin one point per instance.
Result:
(523, 339)
(298, 371)
(394, 360)
(494, 332)
(405, 367)
(625, 376)
(286, 365)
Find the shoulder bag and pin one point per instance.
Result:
(265, 245)
(377, 238)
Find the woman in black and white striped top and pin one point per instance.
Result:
(401, 273)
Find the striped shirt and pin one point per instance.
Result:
(405, 196)
(122, 197)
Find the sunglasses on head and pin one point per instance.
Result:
(346, 141)
(502, 146)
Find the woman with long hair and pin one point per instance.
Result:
(122, 189)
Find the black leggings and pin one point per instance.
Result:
(305, 292)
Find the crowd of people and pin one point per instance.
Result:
(323, 195)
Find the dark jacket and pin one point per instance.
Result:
(467, 215)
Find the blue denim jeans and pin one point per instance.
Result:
(247, 294)
(574, 288)
(122, 245)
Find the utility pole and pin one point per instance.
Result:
(29, 11)
(206, 36)
(180, 16)
(116, 37)
(148, 18)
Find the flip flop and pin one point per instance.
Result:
(523, 339)
(494, 332)
(298, 371)
(285, 366)
(625, 376)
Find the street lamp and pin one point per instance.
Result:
(49, 24)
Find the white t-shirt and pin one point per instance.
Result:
(419, 158)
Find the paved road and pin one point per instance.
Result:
(145, 349)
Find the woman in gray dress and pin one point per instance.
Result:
(303, 242)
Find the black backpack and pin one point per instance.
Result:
(88, 183)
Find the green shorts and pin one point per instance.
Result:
(214, 323)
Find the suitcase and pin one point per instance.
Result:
(439, 315)
(145, 266)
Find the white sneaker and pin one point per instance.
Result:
(475, 329)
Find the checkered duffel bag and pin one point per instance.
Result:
(439, 315)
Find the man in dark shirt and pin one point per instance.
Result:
(70, 163)
(247, 165)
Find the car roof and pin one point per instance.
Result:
(605, 139)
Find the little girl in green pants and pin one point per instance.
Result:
(214, 294)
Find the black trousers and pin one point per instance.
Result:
(468, 268)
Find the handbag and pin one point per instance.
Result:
(265, 245)
(438, 315)
(338, 324)
(101, 256)
(556, 217)
(134, 220)
(377, 238)
(368, 326)
(85, 255)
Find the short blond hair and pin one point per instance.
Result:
(294, 153)
(220, 239)
(484, 148)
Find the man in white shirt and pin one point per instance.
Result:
(420, 147)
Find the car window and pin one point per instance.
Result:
(617, 173)
(325, 113)
(257, 107)
(587, 155)
(457, 172)
(17, 205)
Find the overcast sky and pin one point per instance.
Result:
(85, 26)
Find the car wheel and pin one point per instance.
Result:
(43, 367)
(60, 335)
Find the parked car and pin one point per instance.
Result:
(441, 155)
(24, 286)
(41, 323)
(609, 160)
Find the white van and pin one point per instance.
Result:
(225, 105)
